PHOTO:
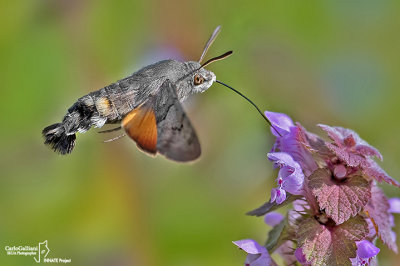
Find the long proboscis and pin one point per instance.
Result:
(252, 103)
(209, 42)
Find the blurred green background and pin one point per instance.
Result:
(332, 62)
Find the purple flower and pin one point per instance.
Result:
(290, 176)
(293, 139)
(257, 254)
(300, 206)
(365, 252)
(394, 205)
(281, 123)
(394, 208)
(278, 195)
(298, 253)
(286, 252)
(273, 218)
(338, 211)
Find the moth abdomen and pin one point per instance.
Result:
(79, 118)
(105, 108)
(57, 139)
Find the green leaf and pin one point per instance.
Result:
(271, 206)
(277, 236)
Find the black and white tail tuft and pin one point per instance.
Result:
(56, 137)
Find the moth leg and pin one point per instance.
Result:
(116, 138)
(110, 130)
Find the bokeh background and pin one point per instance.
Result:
(332, 62)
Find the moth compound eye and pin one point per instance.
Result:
(198, 79)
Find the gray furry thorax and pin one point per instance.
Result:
(179, 73)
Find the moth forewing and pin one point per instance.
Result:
(161, 125)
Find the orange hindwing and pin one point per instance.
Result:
(140, 125)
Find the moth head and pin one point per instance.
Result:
(198, 78)
(201, 80)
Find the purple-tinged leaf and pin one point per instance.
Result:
(348, 146)
(340, 200)
(373, 170)
(368, 150)
(344, 137)
(333, 134)
(330, 245)
(350, 158)
(315, 143)
(356, 152)
(378, 210)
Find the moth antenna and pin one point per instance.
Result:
(116, 138)
(258, 109)
(210, 41)
(217, 58)
(110, 130)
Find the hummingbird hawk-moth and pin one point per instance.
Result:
(148, 106)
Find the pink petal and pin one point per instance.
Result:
(250, 258)
(294, 144)
(250, 246)
(282, 159)
(300, 256)
(263, 260)
(282, 122)
(281, 196)
(285, 172)
(273, 218)
(366, 249)
(294, 184)
(394, 205)
(278, 195)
